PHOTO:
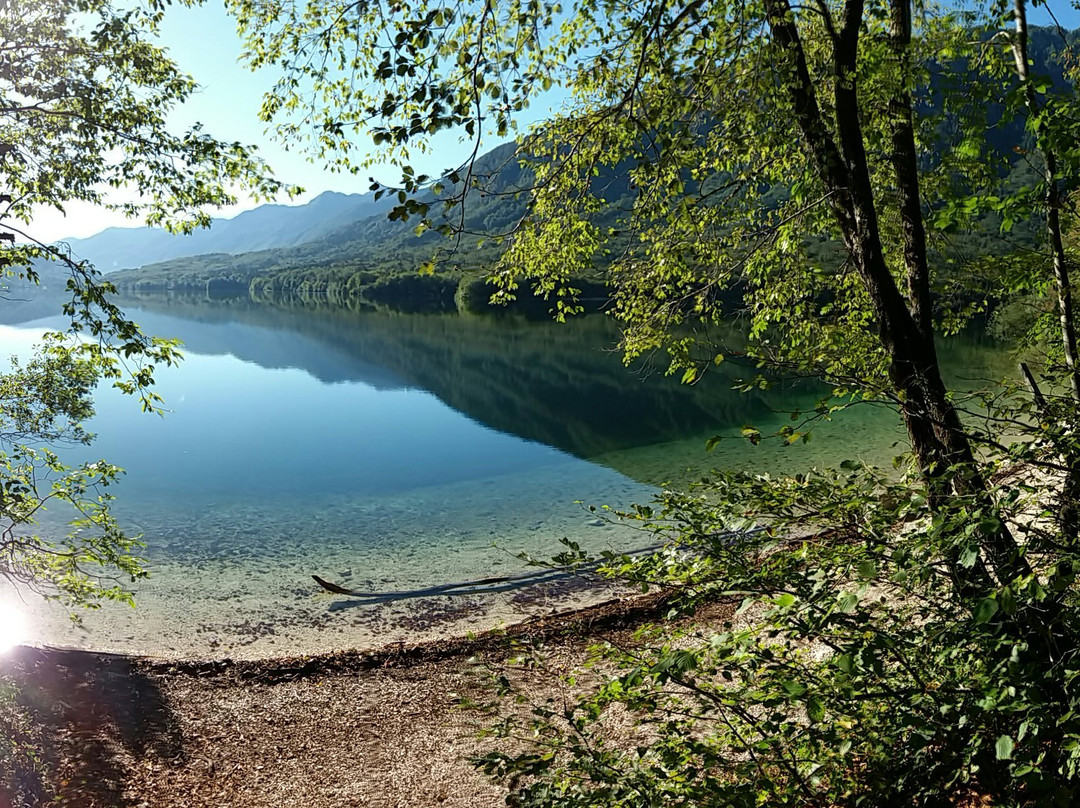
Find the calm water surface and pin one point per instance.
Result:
(392, 452)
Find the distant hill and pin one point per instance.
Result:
(266, 227)
(365, 253)
(365, 257)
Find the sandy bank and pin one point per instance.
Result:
(378, 728)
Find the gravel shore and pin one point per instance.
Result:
(380, 728)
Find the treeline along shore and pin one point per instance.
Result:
(404, 292)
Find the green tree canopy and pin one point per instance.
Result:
(731, 132)
(684, 114)
(85, 98)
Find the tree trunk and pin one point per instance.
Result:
(1069, 519)
(938, 439)
(1052, 200)
(905, 165)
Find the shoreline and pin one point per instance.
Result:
(391, 727)
(259, 602)
(609, 614)
(613, 613)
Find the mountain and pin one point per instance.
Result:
(373, 259)
(265, 227)
(365, 250)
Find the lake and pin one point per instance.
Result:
(386, 452)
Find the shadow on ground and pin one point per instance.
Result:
(79, 721)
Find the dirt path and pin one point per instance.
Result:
(380, 737)
(380, 729)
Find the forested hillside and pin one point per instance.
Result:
(263, 228)
(293, 253)
(367, 244)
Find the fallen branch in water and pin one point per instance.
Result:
(485, 586)
(481, 586)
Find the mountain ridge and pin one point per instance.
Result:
(265, 227)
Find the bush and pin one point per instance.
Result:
(876, 657)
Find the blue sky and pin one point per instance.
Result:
(1066, 13)
(203, 41)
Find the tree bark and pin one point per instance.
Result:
(1069, 519)
(937, 435)
(1052, 201)
(905, 165)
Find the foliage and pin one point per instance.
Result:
(687, 194)
(22, 762)
(1028, 314)
(47, 401)
(852, 669)
(375, 244)
(909, 640)
(86, 94)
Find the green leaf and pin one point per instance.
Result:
(984, 610)
(1004, 748)
(793, 689)
(751, 434)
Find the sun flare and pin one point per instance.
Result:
(13, 627)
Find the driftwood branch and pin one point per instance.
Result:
(480, 586)
(1036, 393)
(477, 587)
(485, 586)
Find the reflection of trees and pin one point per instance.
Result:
(559, 384)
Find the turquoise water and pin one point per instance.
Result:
(391, 452)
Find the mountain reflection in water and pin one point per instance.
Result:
(560, 384)
(392, 452)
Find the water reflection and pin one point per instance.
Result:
(561, 385)
(389, 451)
(558, 384)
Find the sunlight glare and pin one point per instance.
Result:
(13, 627)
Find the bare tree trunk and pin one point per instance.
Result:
(1052, 200)
(938, 439)
(904, 158)
(1070, 499)
(905, 164)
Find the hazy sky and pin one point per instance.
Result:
(203, 42)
